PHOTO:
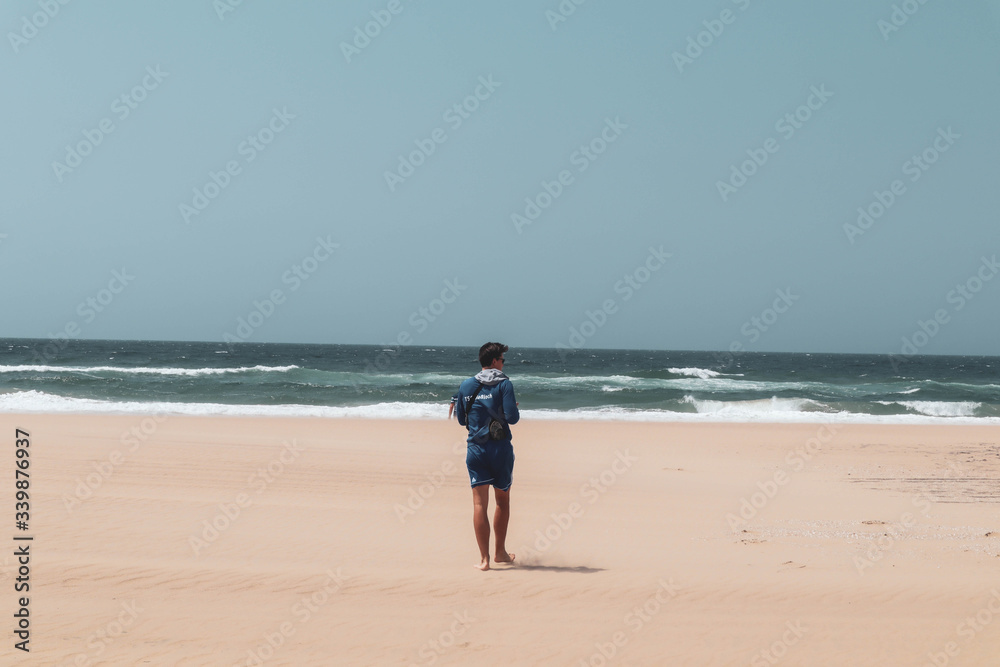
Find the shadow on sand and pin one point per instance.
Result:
(557, 568)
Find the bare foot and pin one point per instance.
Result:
(504, 558)
(483, 565)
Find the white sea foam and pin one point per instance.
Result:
(942, 408)
(702, 373)
(36, 401)
(753, 408)
(727, 384)
(743, 415)
(765, 411)
(141, 370)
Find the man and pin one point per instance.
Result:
(490, 462)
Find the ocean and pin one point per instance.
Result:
(80, 376)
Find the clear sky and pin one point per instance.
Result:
(644, 174)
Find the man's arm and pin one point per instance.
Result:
(510, 411)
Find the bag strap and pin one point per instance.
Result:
(501, 418)
(472, 400)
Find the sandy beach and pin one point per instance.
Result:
(248, 541)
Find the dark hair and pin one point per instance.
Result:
(490, 352)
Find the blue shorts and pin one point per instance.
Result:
(491, 463)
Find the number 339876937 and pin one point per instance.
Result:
(21, 478)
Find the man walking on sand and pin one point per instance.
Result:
(486, 406)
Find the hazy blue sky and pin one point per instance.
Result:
(116, 112)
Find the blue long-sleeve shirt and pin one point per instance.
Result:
(497, 397)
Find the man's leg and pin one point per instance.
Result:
(481, 522)
(500, 519)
